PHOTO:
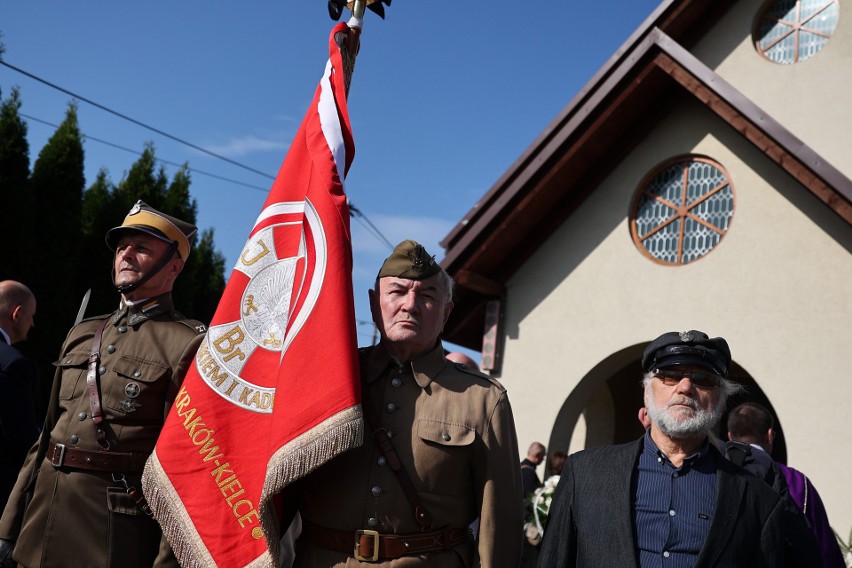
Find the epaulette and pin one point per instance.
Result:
(194, 325)
(93, 318)
(479, 374)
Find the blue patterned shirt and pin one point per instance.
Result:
(672, 506)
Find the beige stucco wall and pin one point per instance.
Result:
(778, 287)
(810, 98)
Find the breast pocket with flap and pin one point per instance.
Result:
(442, 455)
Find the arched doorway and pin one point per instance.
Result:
(603, 408)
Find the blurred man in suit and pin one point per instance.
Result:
(18, 423)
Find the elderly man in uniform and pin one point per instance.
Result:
(670, 498)
(77, 500)
(442, 448)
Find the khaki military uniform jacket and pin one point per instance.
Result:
(79, 517)
(454, 433)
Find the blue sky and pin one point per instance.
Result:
(444, 98)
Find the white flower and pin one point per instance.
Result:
(539, 506)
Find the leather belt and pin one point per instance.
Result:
(370, 546)
(62, 456)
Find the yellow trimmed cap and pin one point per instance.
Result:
(409, 260)
(143, 217)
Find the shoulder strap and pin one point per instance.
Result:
(92, 387)
(421, 515)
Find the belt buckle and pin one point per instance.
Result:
(61, 461)
(375, 555)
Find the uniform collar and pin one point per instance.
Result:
(424, 368)
(137, 312)
(5, 336)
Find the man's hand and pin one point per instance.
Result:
(6, 548)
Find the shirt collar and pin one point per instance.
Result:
(651, 449)
(5, 336)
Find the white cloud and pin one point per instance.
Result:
(242, 146)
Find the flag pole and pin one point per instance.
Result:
(358, 9)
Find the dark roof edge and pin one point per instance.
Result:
(585, 105)
(760, 119)
(527, 156)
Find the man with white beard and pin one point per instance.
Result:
(670, 498)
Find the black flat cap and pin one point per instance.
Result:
(688, 348)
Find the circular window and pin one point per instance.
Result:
(789, 31)
(683, 212)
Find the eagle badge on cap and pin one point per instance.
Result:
(416, 257)
(686, 336)
(137, 207)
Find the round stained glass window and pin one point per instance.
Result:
(683, 212)
(789, 31)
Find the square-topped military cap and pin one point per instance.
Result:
(688, 348)
(409, 260)
(143, 217)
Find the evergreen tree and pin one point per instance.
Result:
(178, 201)
(16, 230)
(144, 182)
(57, 186)
(61, 231)
(199, 288)
(100, 213)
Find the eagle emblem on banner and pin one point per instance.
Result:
(281, 268)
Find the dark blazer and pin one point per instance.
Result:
(19, 426)
(591, 519)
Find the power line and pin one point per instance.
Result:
(354, 212)
(133, 120)
(137, 153)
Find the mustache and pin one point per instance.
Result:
(683, 401)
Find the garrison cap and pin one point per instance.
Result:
(409, 260)
(688, 348)
(143, 217)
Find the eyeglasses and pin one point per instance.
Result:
(699, 379)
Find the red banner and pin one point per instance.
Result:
(274, 389)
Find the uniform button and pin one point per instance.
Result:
(111, 348)
(102, 370)
(137, 374)
(674, 474)
(671, 513)
(397, 382)
(382, 461)
(666, 554)
(122, 329)
(372, 522)
(446, 437)
(390, 434)
(74, 438)
(392, 407)
(376, 491)
(81, 416)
